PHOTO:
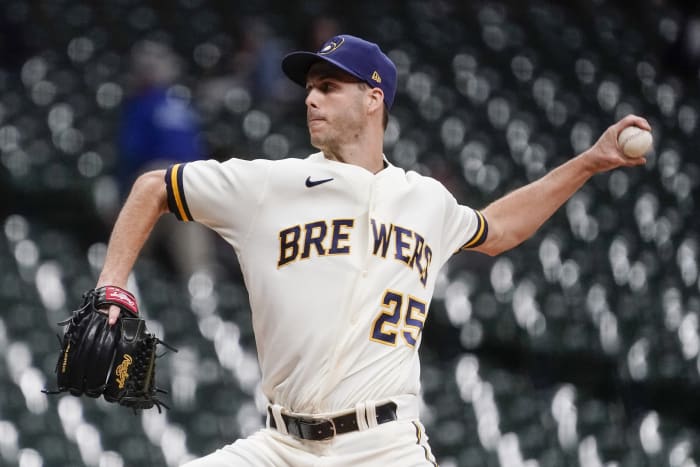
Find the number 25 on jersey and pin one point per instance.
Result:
(389, 323)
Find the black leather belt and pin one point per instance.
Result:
(318, 429)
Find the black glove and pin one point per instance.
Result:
(115, 361)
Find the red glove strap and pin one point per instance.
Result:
(120, 297)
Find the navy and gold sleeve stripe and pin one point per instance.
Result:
(482, 231)
(177, 203)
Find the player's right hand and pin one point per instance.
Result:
(606, 153)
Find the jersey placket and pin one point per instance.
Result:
(364, 271)
(358, 294)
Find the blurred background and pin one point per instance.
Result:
(579, 348)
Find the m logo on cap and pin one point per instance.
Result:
(331, 45)
(376, 77)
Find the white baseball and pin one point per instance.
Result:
(634, 141)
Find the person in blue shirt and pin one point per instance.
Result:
(158, 125)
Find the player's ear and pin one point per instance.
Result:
(375, 100)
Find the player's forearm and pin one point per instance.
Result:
(516, 216)
(142, 209)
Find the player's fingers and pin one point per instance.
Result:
(633, 161)
(633, 120)
(113, 314)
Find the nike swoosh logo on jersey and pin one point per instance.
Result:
(312, 183)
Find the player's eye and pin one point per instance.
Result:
(322, 86)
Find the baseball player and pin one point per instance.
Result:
(340, 253)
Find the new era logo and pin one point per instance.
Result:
(376, 77)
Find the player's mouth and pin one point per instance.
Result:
(314, 119)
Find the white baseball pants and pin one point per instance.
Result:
(400, 443)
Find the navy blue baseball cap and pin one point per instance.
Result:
(362, 59)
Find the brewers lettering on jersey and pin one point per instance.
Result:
(340, 252)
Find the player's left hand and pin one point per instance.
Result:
(116, 362)
(606, 154)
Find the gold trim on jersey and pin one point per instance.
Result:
(176, 194)
(482, 230)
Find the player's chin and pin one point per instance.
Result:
(316, 139)
(315, 125)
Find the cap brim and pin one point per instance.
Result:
(296, 66)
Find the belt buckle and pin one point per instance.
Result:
(314, 428)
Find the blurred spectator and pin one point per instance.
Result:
(322, 27)
(258, 59)
(253, 66)
(159, 127)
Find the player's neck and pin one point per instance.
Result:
(372, 161)
(366, 152)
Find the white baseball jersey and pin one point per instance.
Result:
(340, 266)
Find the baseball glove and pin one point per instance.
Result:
(117, 362)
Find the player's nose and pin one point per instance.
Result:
(311, 98)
